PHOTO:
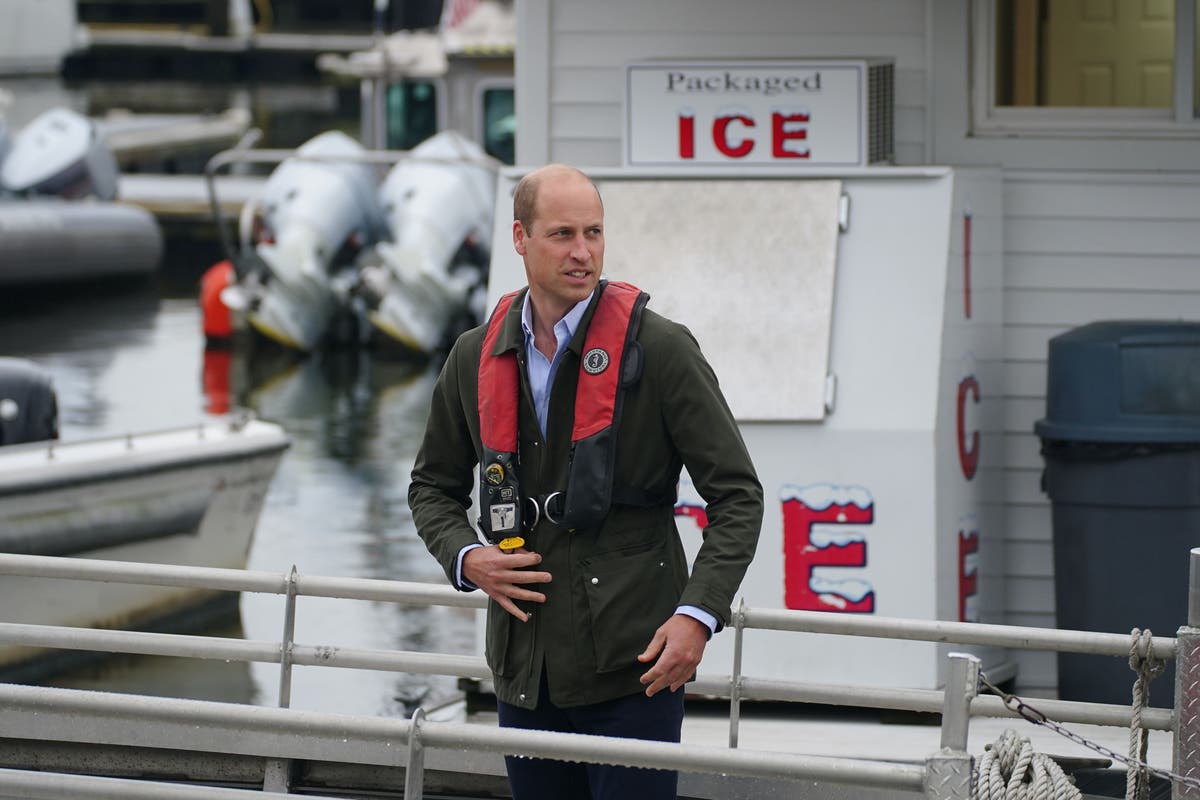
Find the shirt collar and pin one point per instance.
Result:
(570, 321)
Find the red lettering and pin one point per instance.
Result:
(697, 514)
(967, 265)
(783, 129)
(801, 556)
(687, 136)
(968, 577)
(721, 136)
(968, 457)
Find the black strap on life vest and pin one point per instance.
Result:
(612, 362)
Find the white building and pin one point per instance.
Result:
(1089, 111)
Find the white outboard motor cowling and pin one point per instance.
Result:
(317, 211)
(61, 154)
(439, 199)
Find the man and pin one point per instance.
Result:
(594, 623)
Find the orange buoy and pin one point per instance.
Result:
(218, 322)
(218, 362)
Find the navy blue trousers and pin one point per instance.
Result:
(633, 717)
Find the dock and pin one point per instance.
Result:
(139, 138)
(125, 52)
(183, 199)
(175, 39)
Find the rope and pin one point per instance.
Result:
(1009, 769)
(1147, 668)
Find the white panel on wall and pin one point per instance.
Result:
(773, 363)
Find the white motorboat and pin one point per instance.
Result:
(187, 496)
(439, 203)
(58, 218)
(317, 211)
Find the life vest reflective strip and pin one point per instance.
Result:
(611, 363)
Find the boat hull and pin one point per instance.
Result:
(48, 241)
(186, 497)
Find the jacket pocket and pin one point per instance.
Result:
(496, 639)
(630, 594)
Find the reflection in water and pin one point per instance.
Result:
(128, 358)
(89, 335)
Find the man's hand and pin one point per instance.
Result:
(500, 576)
(678, 645)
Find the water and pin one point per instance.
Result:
(130, 356)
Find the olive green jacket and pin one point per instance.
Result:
(613, 587)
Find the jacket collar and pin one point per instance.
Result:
(512, 336)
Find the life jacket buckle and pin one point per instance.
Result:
(547, 501)
(537, 513)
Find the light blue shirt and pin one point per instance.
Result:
(541, 372)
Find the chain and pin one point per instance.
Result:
(1031, 714)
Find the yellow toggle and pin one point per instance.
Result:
(511, 543)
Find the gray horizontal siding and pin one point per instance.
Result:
(1114, 271)
(589, 49)
(763, 16)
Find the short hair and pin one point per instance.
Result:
(525, 193)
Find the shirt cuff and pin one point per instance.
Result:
(461, 583)
(695, 613)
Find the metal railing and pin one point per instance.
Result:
(282, 734)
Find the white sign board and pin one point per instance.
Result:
(790, 114)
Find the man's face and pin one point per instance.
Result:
(564, 247)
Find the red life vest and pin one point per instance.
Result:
(611, 362)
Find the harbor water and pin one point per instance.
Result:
(131, 356)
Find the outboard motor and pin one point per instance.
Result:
(28, 406)
(439, 204)
(313, 215)
(60, 154)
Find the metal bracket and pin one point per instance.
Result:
(414, 775)
(830, 392)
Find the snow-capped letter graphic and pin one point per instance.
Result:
(789, 133)
(815, 541)
(722, 135)
(968, 443)
(690, 504)
(968, 571)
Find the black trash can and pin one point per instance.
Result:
(1121, 447)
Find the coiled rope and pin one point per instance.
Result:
(1009, 769)
(1147, 668)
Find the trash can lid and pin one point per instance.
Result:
(1124, 381)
